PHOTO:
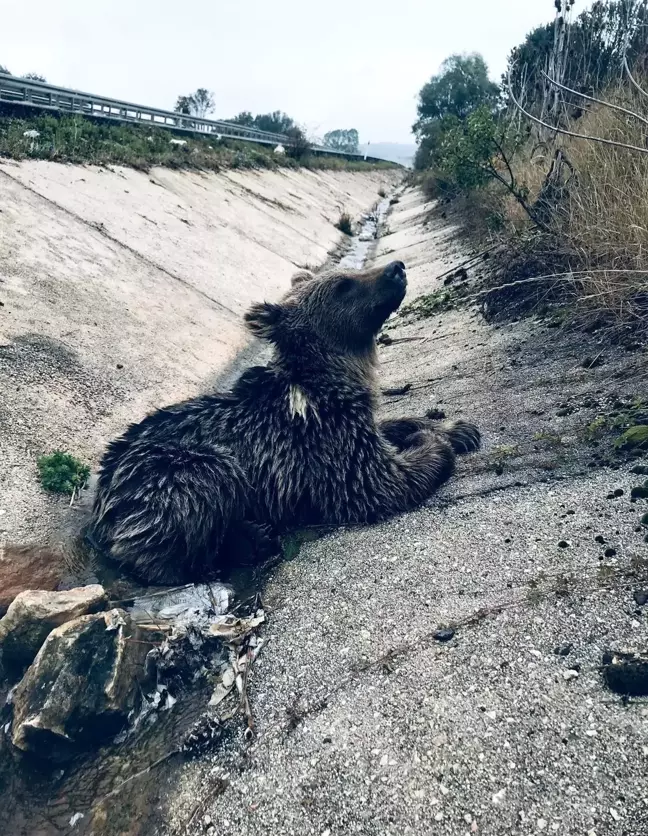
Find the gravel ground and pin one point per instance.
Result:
(366, 722)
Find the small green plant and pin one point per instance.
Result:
(430, 304)
(344, 223)
(633, 438)
(506, 451)
(552, 439)
(62, 473)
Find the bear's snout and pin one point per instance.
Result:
(394, 273)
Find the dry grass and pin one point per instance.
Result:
(598, 229)
(603, 222)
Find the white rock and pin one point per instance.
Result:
(499, 796)
(542, 823)
(570, 674)
(614, 813)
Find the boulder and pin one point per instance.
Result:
(33, 614)
(82, 686)
(28, 567)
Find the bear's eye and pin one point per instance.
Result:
(344, 286)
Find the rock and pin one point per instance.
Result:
(599, 538)
(592, 362)
(626, 672)
(27, 567)
(640, 491)
(398, 390)
(641, 597)
(81, 687)
(640, 469)
(444, 635)
(563, 649)
(33, 614)
(610, 552)
(563, 544)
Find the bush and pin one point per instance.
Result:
(62, 473)
(344, 223)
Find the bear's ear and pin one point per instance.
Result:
(264, 319)
(301, 277)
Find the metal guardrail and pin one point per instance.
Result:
(42, 96)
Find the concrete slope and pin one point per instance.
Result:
(121, 291)
(366, 722)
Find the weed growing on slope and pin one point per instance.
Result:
(62, 473)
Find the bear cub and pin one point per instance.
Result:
(294, 443)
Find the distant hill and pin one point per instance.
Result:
(397, 152)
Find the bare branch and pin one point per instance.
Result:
(631, 77)
(571, 133)
(598, 101)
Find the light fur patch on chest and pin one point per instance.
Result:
(298, 402)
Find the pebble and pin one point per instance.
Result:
(641, 597)
(563, 649)
(499, 796)
(615, 815)
(609, 552)
(444, 635)
(542, 823)
(563, 544)
(570, 674)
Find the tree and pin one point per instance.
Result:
(203, 101)
(35, 77)
(343, 140)
(197, 104)
(244, 118)
(276, 122)
(598, 40)
(298, 145)
(4, 70)
(457, 90)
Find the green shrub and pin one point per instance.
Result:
(62, 473)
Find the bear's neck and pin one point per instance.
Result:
(330, 372)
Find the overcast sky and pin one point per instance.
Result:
(331, 64)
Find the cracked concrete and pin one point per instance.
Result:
(365, 723)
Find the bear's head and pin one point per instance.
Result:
(340, 311)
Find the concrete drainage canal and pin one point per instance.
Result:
(105, 685)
